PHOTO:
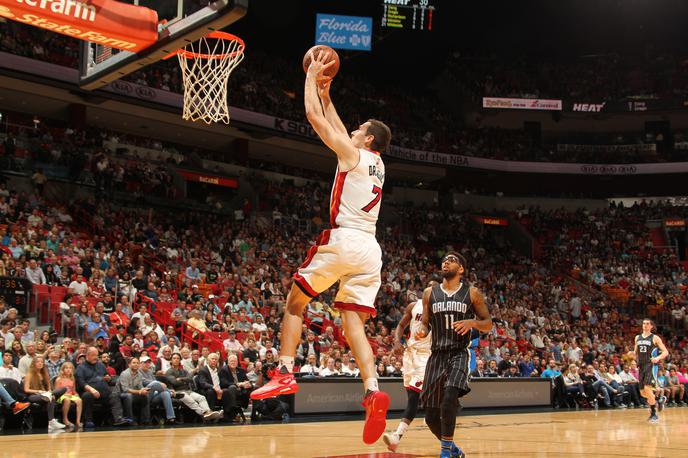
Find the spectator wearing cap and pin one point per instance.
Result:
(93, 383)
(132, 392)
(214, 384)
(268, 348)
(232, 345)
(351, 369)
(157, 390)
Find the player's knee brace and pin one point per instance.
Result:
(412, 405)
(433, 419)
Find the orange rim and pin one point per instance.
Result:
(217, 35)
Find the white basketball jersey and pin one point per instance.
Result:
(416, 325)
(356, 194)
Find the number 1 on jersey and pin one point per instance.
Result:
(449, 321)
(378, 195)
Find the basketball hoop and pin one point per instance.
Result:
(206, 65)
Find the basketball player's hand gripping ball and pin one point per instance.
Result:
(320, 62)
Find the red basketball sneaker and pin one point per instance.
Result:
(376, 404)
(279, 384)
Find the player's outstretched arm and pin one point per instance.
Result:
(664, 352)
(426, 315)
(403, 324)
(328, 107)
(339, 142)
(484, 321)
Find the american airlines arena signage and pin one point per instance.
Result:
(304, 130)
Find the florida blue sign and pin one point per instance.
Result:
(344, 32)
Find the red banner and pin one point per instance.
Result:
(675, 222)
(490, 221)
(209, 179)
(106, 22)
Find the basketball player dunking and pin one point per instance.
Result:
(416, 356)
(646, 345)
(451, 310)
(348, 252)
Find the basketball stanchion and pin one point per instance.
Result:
(206, 65)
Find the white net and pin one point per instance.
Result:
(206, 65)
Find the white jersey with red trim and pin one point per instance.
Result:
(416, 325)
(356, 194)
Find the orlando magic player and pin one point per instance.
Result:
(451, 310)
(416, 356)
(646, 345)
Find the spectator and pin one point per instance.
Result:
(240, 387)
(8, 370)
(158, 392)
(39, 390)
(66, 380)
(93, 383)
(35, 274)
(231, 345)
(214, 387)
(180, 380)
(27, 359)
(79, 287)
(54, 363)
(132, 392)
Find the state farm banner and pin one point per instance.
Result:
(209, 179)
(635, 148)
(522, 104)
(106, 22)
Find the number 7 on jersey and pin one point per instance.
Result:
(378, 195)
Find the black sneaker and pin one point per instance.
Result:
(653, 418)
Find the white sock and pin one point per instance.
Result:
(371, 384)
(401, 429)
(288, 362)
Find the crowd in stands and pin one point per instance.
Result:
(588, 79)
(420, 119)
(152, 307)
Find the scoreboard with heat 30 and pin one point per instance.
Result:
(408, 14)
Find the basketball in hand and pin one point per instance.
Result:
(329, 72)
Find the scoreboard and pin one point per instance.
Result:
(408, 14)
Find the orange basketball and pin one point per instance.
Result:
(330, 72)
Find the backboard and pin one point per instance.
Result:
(179, 22)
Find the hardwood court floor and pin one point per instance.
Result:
(608, 433)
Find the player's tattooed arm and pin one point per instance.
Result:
(483, 323)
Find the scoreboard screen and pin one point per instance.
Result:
(408, 14)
